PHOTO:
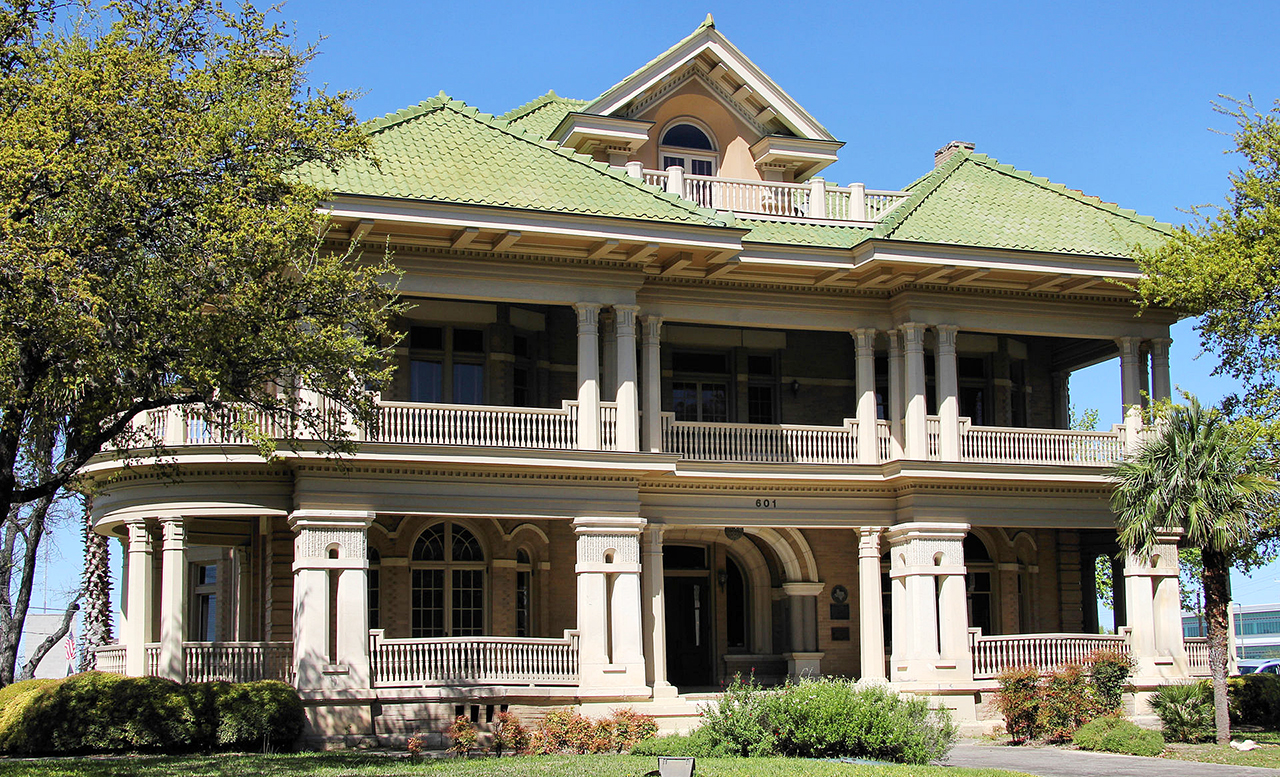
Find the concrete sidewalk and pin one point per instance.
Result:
(1055, 762)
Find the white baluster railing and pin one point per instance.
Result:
(152, 651)
(992, 655)
(933, 437)
(884, 439)
(109, 658)
(482, 425)
(474, 661)
(656, 178)
(880, 202)
(1197, 656)
(238, 662)
(779, 199)
(608, 426)
(992, 444)
(707, 441)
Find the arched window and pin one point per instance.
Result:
(447, 583)
(735, 593)
(979, 570)
(684, 144)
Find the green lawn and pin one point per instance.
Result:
(1268, 755)
(374, 765)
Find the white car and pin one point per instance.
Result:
(1259, 666)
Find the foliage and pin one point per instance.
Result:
(1225, 266)
(1201, 474)
(509, 734)
(697, 743)
(96, 712)
(1185, 711)
(1085, 420)
(564, 730)
(1255, 700)
(1109, 672)
(1019, 701)
(462, 736)
(416, 745)
(629, 727)
(1115, 735)
(157, 248)
(1065, 702)
(827, 718)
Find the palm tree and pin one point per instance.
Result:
(1199, 472)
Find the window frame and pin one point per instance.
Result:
(448, 357)
(448, 567)
(688, 155)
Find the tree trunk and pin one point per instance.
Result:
(47, 644)
(1217, 566)
(95, 626)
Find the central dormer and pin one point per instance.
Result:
(704, 107)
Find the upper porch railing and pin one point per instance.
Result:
(816, 199)
(706, 441)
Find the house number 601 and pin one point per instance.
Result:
(770, 503)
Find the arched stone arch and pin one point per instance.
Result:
(792, 550)
(754, 566)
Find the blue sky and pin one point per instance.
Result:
(1110, 98)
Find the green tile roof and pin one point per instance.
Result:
(799, 233)
(973, 200)
(442, 150)
(542, 115)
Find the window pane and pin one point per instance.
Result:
(425, 381)
(736, 601)
(684, 401)
(700, 166)
(209, 618)
(208, 574)
(686, 136)
(428, 603)
(521, 396)
(373, 599)
(465, 545)
(468, 341)
(468, 384)
(523, 588)
(715, 402)
(760, 405)
(760, 366)
(430, 544)
(468, 602)
(429, 338)
(712, 363)
(672, 161)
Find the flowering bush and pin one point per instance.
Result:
(566, 731)
(1019, 701)
(462, 735)
(509, 734)
(1109, 672)
(417, 745)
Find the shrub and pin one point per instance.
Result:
(417, 745)
(462, 735)
(1066, 702)
(1019, 701)
(266, 715)
(509, 734)
(1114, 735)
(697, 743)
(566, 731)
(1185, 710)
(1109, 671)
(1255, 700)
(630, 727)
(737, 722)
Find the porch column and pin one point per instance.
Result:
(610, 623)
(948, 393)
(331, 542)
(173, 598)
(865, 348)
(928, 559)
(1061, 399)
(652, 383)
(870, 605)
(896, 369)
(655, 612)
(1154, 613)
(917, 439)
(1130, 375)
(804, 658)
(624, 325)
(138, 625)
(588, 375)
(1160, 384)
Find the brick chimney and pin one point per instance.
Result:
(941, 156)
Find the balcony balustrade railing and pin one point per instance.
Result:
(884, 440)
(481, 425)
(474, 661)
(779, 199)
(1197, 656)
(109, 658)
(238, 662)
(994, 654)
(705, 441)
(995, 444)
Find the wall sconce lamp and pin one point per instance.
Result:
(722, 577)
(795, 387)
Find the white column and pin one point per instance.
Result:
(865, 350)
(1061, 399)
(609, 611)
(948, 393)
(897, 369)
(870, 605)
(1130, 373)
(140, 592)
(928, 559)
(173, 598)
(1154, 609)
(817, 198)
(675, 180)
(804, 658)
(655, 612)
(652, 383)
(917, 442)
(624, 324)
(588, 375)
(1160, 384)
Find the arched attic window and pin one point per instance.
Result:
(687, 145)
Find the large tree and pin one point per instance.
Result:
(1225, 266)
(1200, 473)
(156, 249)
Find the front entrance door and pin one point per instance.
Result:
(688, 603)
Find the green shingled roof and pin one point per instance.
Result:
(442, 150)
(542, 115)
(799, 233)
(973, 200)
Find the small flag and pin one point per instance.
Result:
(70, 644)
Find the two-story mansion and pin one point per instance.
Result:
(670, 407)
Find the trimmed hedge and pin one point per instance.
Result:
(1114, 735)
(1254, 699)
(97, 712)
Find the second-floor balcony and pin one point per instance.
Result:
(488, 426)
(816, 199)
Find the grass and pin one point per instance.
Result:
(1266, 756)
(376, 765)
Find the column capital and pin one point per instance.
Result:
(913, 336)
(588, 317)
(864, 338)
(869, 541)
(946, 337)
(1160, 346)
(803, 588)
(174, 532)
(138, 533)
(338, 519)
(1130, 347)
(653, 539)
(625, 315)
(895, 342)
(652, 327)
